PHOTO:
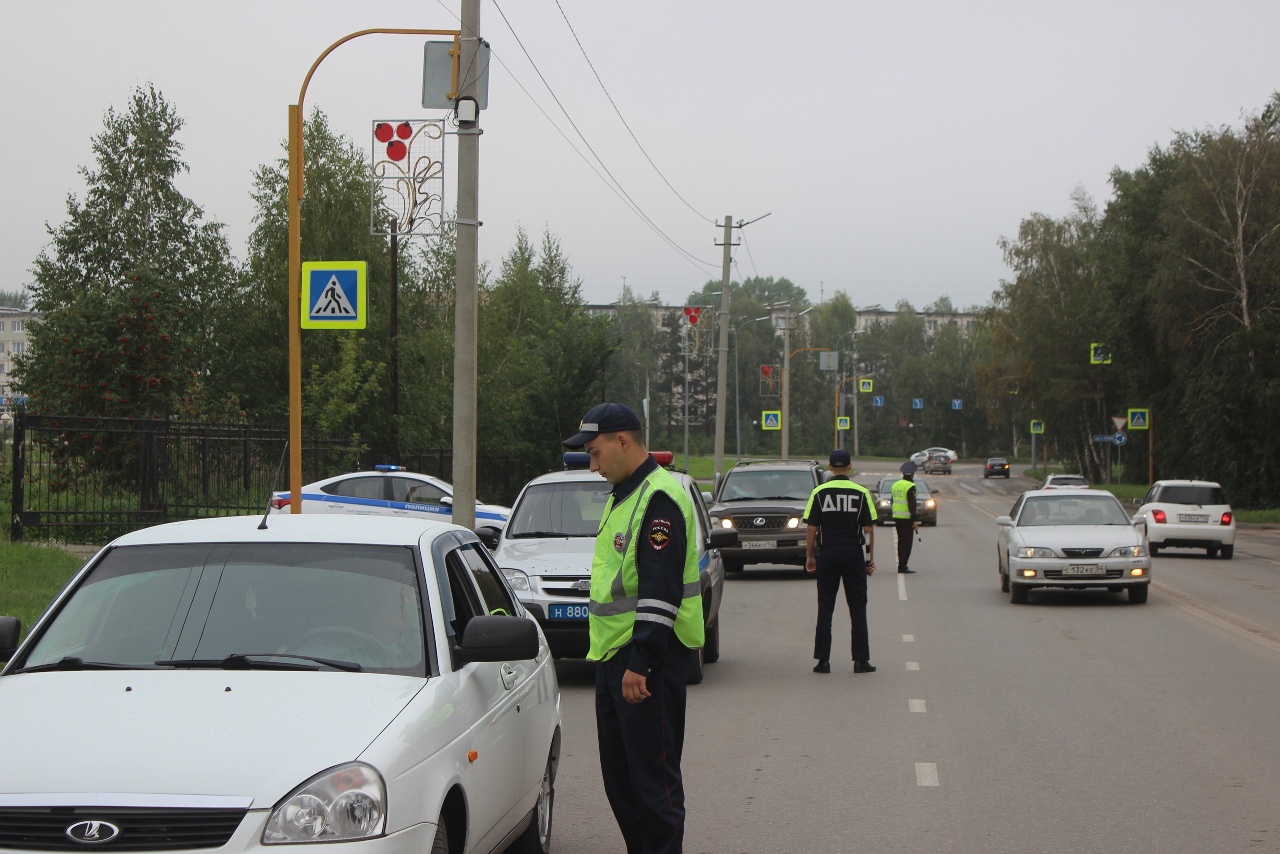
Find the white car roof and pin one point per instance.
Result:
(293, 528)
(1187, 483)
(1066, 492)
(579, 475)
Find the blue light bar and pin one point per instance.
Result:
(389, 468)
(577, 460)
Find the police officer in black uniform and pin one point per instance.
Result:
(841, 515)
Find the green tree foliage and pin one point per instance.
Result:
(15, 299)
(542, 356)
(130, 320)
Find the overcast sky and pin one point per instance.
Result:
(893, 144)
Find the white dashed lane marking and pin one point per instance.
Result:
(913, 665)
(908, 638)
(915, 706)
(902, 588)
(926, 774)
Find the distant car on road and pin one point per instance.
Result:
(920, 457)
(926, 501)
(387, 491)
(1065, 481)
(996, 467)
(1071, 539)
(937, 464)
(1192, 514)
(546, 548)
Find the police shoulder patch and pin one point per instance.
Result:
(659, 533)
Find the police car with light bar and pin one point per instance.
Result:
(387, 491)
(545, 553)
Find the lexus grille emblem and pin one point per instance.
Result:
(92, 832)
(758, 521)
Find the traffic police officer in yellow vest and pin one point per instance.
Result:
(645, 618)
(906, 518)
(840, 515)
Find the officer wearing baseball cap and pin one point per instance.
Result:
(644, 621)
(840, 516)
(906, 516)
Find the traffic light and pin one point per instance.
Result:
(692, 312)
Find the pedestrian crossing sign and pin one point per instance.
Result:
(771, 419)
(866, 386)
(842, 422)
(334, 295)
(1139, 419)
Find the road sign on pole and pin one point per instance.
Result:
(878, 400)
(957, 403)
(842, 422)
(1037, 426)
(866, 386)
(1139, 419)
(917, 403)
(771, 419)
(334, 295)
(1119, 439)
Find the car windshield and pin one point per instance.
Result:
(197, 604)
(1192, 495)
(1072, 510)
(567, 509)
(759, 485)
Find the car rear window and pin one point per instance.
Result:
(1192, 495)
(1066, 480)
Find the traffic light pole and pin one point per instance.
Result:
(722, 369)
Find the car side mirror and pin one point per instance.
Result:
(499, 638)
(715, 486)
(1136, 502)
(446, 500)
(706, 497)
(722, 538)
(1004, 521)
(10, 631)
(489, 536)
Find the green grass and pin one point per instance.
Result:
(30, 576)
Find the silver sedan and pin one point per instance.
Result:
(1071, 539)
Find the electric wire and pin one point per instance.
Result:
(613, 104)
(639, 211)
(743, 233)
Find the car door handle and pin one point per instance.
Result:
(508, 676)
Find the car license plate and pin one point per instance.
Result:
(759, 544)
(567, 612)
(1084, 569)
(1192, 517)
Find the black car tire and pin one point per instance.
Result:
(1228, 552)
(1004, 579)
(732, 565)
(1138, 594)
(536, 838)
(1018, 594)
(440, 845)
(711, 646)
(1006, 475)
(1155, 550)
(695, 667)
(1211, 551)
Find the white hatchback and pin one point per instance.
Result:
(1190, 514)
(369, 685)
(387, 491)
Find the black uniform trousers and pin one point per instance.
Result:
(837, 563)
(906, 534)
(640, 747)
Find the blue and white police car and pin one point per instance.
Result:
(545, 553)
(387, 491)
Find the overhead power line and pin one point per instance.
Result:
(612, 103)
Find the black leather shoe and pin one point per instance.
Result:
(822, 667)
(907, 571)
(863, 667)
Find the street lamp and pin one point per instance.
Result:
(737, 399)
(853, 335)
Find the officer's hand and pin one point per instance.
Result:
(811, 564)
(871, 568)
(634, 687)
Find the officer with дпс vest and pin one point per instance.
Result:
(644, 620)
(840, 515)
(906, 516)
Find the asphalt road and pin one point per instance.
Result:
(1077, 723)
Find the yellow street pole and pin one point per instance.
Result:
(295, 250)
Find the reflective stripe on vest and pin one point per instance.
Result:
(900, 489)
(615, 606)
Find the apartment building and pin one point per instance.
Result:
(13, 342)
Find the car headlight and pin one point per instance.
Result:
(341, 804)
(1129, 551)
(1029, 551)
(518, 580)
(726, 522)
(793, 522)
(930, 503)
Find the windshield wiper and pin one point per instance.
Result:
(254, 661)
(70, 662)
(528, 534)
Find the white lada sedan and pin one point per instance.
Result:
(346, 684)
(1072, 539)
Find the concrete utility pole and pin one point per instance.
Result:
(786, 379)
(465, 326)
(722, 369)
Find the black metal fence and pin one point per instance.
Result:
(86, 480)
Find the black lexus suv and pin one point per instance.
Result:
(764, 502)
